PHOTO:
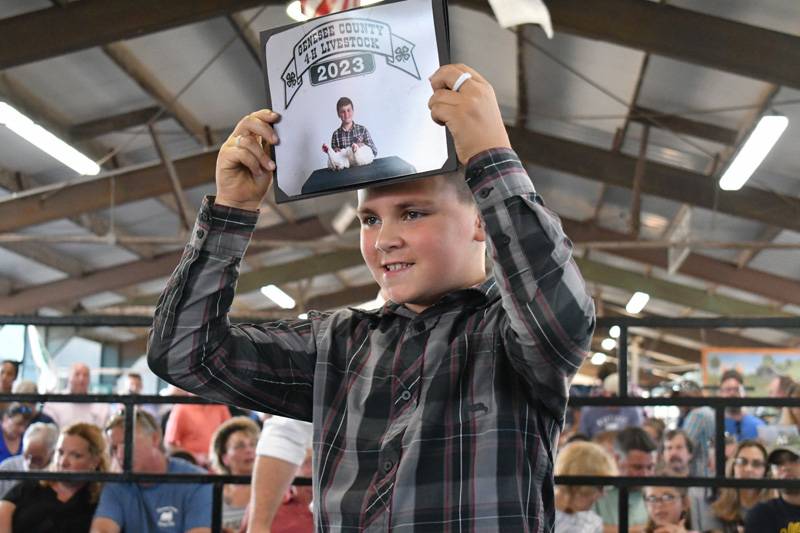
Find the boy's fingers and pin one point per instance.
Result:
(442, 113)
(443, 96)
(253, 145)
(447, 75)
(246, 158)
(258, 123)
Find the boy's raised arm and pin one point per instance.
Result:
(192, 343)
(550, 315)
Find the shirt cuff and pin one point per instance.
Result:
(496, 174)
(222, 230)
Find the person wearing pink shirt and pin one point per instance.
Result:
(191, 426)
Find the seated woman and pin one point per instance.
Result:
(15, 422)
(667, 508)
(727, 513)
(59, 506)
(233, 452)
(573, 502)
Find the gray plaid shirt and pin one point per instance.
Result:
(445, 420)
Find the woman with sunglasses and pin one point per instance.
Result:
(14, 423)
(728, 511)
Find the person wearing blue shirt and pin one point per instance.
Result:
(739, 424)
(159, 507)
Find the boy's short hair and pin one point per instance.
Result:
(459, 184)
(343, 101)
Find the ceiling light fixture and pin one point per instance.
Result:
(295, 12)
(608, 344)
(637, 302)
(278, 296)
(753, 151)
(46, 141)
(614, 332)
(598, 358)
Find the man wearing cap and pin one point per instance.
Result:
(781, 514)
(597, 419)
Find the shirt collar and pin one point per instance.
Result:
(480, 295)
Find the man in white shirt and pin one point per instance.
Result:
(281, 450)
(65, 413)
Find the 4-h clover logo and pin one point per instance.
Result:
(291, 79)
(402, 53)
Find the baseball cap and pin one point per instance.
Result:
(785, 448)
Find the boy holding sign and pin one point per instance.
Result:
(441, 411)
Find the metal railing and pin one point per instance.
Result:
(621, 482)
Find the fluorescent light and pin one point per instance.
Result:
(598, 358)
(608, 344)
(303, 316)
(46, 141)
(637, 302)
(755, 149)
(295, 12)
(278, 296)
(614, 332)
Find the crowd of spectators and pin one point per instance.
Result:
(640, 444)
(183, 439)
(203, 438)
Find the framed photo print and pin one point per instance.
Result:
(352, 90)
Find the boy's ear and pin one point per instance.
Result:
(480, 228)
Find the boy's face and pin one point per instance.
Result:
(346, 114)
(420, 241)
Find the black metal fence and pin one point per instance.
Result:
(622, 483)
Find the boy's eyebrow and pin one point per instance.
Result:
(421, 202)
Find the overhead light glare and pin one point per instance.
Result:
(278, 296)
(46, 141)
(766, 133)
(637, 302)
(295, 12)
(614, 332)
(598, 358)
(303, 316)
(608, 344)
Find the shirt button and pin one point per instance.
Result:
(204, 217)
(405, 395)
(387, 466)
(486, 192)
(200, 234)
(505, 239)
(479, 172)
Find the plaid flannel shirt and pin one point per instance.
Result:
(441, 421)
(342, 138)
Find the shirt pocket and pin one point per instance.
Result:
(475, 393)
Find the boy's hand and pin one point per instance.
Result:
(471, 114)
(244, 168)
